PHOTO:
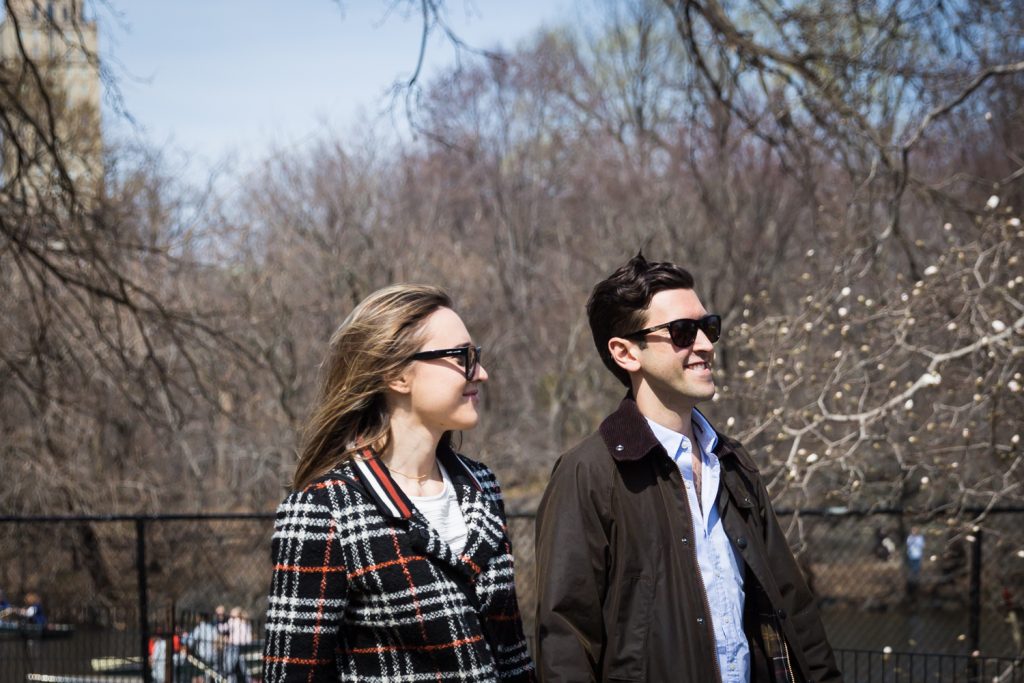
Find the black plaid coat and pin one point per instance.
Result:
(364, 589)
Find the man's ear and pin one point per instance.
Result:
(625, 353)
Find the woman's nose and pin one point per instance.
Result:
(481, 373)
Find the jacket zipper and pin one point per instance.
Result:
(700, 577)
(789, 664)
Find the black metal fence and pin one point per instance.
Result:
(122, 591)
(917, 667)
(125, 590)
(963, 598)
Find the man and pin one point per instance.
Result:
(659, 557)
(201, 642)
(915, 553)
(32, 612)
(239, 634)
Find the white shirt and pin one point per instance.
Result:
(444, 514)
(239, 631)
(721, 568)
(915, 546)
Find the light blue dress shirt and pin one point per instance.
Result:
(721, 567)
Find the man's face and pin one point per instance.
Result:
(678, 375)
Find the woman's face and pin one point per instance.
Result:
(439, 393)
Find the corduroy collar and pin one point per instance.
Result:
(627, 435)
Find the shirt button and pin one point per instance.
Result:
(700, 620)
(741, 542)
(686, 541)
(781, 612)
(620, 448)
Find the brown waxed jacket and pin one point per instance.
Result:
(620, 596)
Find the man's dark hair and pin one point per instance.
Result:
(618, 304)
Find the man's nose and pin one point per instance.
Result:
(702, 343)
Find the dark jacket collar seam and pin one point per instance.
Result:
(625, 433)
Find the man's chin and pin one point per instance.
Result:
(701, 393)
(707, 396)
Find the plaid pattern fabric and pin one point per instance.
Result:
(775, 649)
(364, 589)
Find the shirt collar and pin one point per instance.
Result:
(704, 432)
(672, 440)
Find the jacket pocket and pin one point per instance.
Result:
(627, 659)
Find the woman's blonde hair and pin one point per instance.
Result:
(367, 351)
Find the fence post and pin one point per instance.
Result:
(169, 657)
(140, 570)
(974, 625)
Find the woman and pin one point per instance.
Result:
(391, 560)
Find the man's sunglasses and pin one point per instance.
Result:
(684, 330)
(468, 358)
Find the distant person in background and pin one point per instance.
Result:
(158, 659)
(5, 607)
(881, 551)
(391, 555)
(915, 553)
(33, 612)
(889, 546)
(220, 621)
(885, 547)
(239, 634)
(202, 641)
(158, 655)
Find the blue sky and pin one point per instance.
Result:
(218, 78)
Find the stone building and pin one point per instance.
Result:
(50, 90)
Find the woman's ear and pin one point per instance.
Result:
(403, 384)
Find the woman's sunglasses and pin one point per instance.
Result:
(468, 358)
(684, 331)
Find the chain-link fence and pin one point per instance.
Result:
(121, 592)
(964, 596)
(959, 593)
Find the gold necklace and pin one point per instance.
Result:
(410, 478)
